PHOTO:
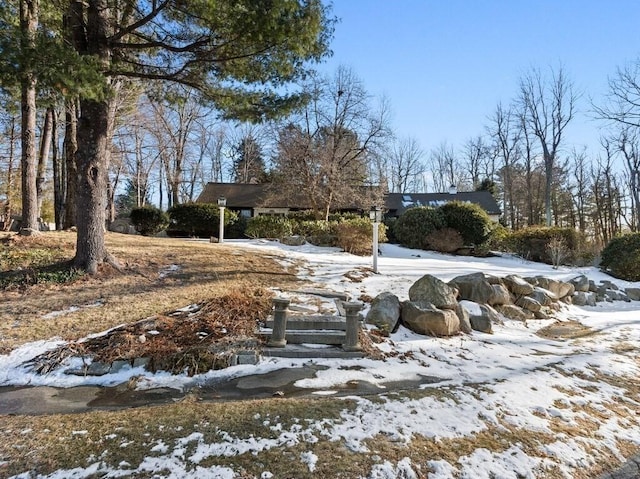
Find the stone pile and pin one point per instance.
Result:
(476, 301)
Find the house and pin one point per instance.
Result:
(250, 200)
(398, 203)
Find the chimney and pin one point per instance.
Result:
(453, 190)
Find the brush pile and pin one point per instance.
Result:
(194, 339)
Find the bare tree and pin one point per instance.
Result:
(506, 131)
(175, 117)
(606, 195)
(477, 159)
(46, 139)
(628, 143)
(325, 153)
(622, 103)
(445, 168)
(405, 165)
(580, 187)
(9, 139)
(548, 105)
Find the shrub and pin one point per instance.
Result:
(197, 219)
(533, 244)
(415, 224)
(445, 240)
(317, 232)
(149, 220)
(621, 257)
(468, 219)
(355, 235)
(268, 226)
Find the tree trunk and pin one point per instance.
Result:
(548, 184)
(43, 157)
(28, 27)
(9, 193)
(92, 157)
(92, 162)
(59, 178)
(70, 150)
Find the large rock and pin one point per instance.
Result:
(512, 311)
(295, 240)
(580, 283)
(543, 296)
(633, 293)
(385, 312)
(423, 317)
(435, 291)
(559, 288)
(517, 285)
(463, 316)
(500, 295)
(481, 316)
(473, 287)
(529, 304)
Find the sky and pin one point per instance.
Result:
(445, 65)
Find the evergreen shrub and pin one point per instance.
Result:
(468, 219)
(149, 220)
(316, 232)
(200, 220)
(269, 226)
(413, 227)
(621, 257)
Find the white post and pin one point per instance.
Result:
(375, 215)
(221, 227)
(222, 202)
(375, 247)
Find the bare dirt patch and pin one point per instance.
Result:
(566, 330)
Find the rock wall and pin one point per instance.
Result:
(477, 301)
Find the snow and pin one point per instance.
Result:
(511, 379)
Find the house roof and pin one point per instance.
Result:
(397, 203)
(247, 196)
(238, 195)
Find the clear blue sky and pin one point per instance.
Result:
(445, 64)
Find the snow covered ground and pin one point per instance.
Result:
(511, 380)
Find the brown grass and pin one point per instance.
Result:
(147, 285)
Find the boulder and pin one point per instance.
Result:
(295, 240)
(435, 291)
(500, 295)
(633, 293)
(559, 288)
(543, 296)
(473, 287)
(517, 285)
(529, 304)
(385, 312)
(463, 316)
(581, 298)
(484, 321)
(609, 285)
(512, 311)
(423, 317)
(542, 314)
(580, 283)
